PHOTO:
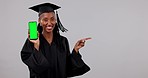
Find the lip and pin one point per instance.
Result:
(49, 27)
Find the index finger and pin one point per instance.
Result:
(86, 38)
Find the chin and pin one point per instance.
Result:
(49, 31)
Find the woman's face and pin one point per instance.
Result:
(47, 21)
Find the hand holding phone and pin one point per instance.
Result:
(33, 35)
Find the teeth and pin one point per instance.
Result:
(49, 27)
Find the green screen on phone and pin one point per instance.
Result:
(33, 30)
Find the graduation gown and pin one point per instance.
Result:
(51, 62)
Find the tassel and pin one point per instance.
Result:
(61, 27)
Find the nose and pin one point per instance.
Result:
(49, 23)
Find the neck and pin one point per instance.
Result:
(48, 36)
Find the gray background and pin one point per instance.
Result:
(119, 31)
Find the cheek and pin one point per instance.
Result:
(43, 22)
(54, 22)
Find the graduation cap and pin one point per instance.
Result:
(48, 7)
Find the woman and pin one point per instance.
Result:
(49, 55)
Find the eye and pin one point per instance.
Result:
(45, 20)
(52, 19)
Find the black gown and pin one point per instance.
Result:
(50, 61)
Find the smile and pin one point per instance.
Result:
(49, 27)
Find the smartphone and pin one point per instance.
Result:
(33, 30)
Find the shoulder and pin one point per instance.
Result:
(63, 38)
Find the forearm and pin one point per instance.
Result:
(35, 61)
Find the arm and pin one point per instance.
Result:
(75, 64)
(33, 58)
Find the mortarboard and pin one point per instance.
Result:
(48, 7)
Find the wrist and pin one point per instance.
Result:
(36, 46)
(76, 50)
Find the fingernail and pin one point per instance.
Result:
(83, 41)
